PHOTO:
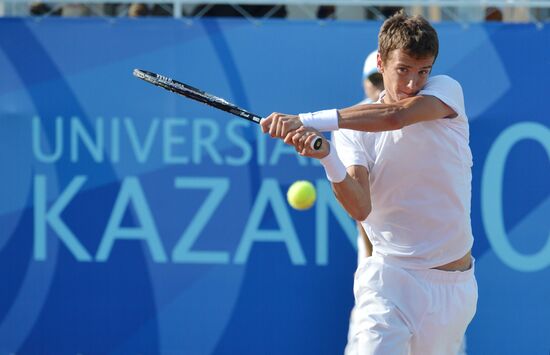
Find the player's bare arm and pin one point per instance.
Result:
(354, 197)
(388, 117)
(371, 117)
(361, 175)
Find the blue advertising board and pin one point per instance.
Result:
(133, 221)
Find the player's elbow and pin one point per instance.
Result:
(361, 212)
(395, 119)
(357, 204)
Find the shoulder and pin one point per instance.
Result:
(448, 90)
(354, 147)
(442, 82)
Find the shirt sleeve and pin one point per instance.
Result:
(350, 148)
(447, 90)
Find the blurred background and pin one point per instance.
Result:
(134, 221)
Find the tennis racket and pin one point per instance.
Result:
(204, 97)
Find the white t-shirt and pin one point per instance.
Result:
(420, 183)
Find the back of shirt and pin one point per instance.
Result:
(420, 183)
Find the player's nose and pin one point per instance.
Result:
(412, 85)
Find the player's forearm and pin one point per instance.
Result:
(368, 118)
(353, 197)
(371, 117)
(388, 117)
(379, 117)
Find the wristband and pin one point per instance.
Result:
(334, 168)
(324, 121)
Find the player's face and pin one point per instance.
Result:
(404, 75)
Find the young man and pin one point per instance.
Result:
(410, 187)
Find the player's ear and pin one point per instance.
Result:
(379, 65)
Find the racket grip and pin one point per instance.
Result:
(317, 143)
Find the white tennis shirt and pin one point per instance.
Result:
(420, 183)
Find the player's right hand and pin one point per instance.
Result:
(278, 125)
(302, 140)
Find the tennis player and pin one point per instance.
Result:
(410, 187)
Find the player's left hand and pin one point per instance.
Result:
(278, 125)
(302, 139)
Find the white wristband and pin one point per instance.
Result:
(324, 121)
(334, 168)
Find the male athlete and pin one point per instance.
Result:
(411, 190)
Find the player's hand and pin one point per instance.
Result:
(278, 125)
(302, 140)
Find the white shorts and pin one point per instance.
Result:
(403, 311)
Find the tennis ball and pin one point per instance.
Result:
(301, 195)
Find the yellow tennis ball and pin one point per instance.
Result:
(301, 195)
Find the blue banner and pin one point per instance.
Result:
(133, 221)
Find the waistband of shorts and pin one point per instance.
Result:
(431, 275)
(442, 276)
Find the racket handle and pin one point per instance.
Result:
(317, 143)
